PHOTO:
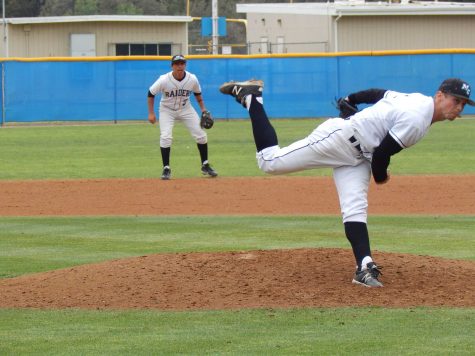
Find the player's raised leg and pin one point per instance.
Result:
(271, 158)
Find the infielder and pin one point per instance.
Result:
(176, 88)
(354, 147)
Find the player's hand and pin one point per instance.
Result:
(345, 108)
(387, 179)
(152, 118)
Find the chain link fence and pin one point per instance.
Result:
(261, 48)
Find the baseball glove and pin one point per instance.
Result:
(345, 108)
(206, 121)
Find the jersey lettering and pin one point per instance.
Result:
(177, 92)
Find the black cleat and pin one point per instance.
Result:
(208, 171)
(166, 173)
(368, 276)
(240, 90)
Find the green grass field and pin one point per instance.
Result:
(132, 151)
(35, 244)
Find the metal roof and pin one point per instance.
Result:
(360, 8)
(96, 18)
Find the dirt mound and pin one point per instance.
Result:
(251, 279)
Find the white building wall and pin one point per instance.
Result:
(301, 33)
(371, 33)
(359, 26)
(53, 39)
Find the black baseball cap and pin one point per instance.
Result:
(178, 58)
(457, 87)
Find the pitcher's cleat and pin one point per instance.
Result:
(240, 90)
(368, 276)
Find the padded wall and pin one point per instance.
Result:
(295, 87)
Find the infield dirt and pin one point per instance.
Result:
(251, 279)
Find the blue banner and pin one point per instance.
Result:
(207, 26)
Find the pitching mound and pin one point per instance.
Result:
(252, 279)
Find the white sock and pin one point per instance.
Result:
(247, 100)
(365, 262)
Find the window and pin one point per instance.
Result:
(165, 49)
(140, 49)
(137, 49)
(151, 49)
(122, 49)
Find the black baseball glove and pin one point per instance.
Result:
(206, 121)
(345, 108)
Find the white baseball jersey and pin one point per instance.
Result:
(175, 93)
(406, 117)
(175, 106)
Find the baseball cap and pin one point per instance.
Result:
(178, 58)
(457, 87)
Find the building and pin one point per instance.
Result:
(95, 35)
(358, 26)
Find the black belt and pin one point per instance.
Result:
(357, 146)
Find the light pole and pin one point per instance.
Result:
(5, 50)
(214, 19)
(3, 63)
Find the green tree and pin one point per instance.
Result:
(152, 7)
(57, 8)
(85, 7)
(128, 9)
(22, 8)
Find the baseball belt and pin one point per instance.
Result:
(356, 144)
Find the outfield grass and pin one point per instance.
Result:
(132, 150)
(35, 244)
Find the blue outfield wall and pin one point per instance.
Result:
(295, 86)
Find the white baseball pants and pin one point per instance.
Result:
(328, 146)
(190, 119)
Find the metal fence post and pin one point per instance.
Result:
(3, 93)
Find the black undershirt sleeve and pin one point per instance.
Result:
(369, 96)
(150, 95)
(382, 156)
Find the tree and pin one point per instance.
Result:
(57, 8)
(22, 8)
(85, 7)
(128, 9)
